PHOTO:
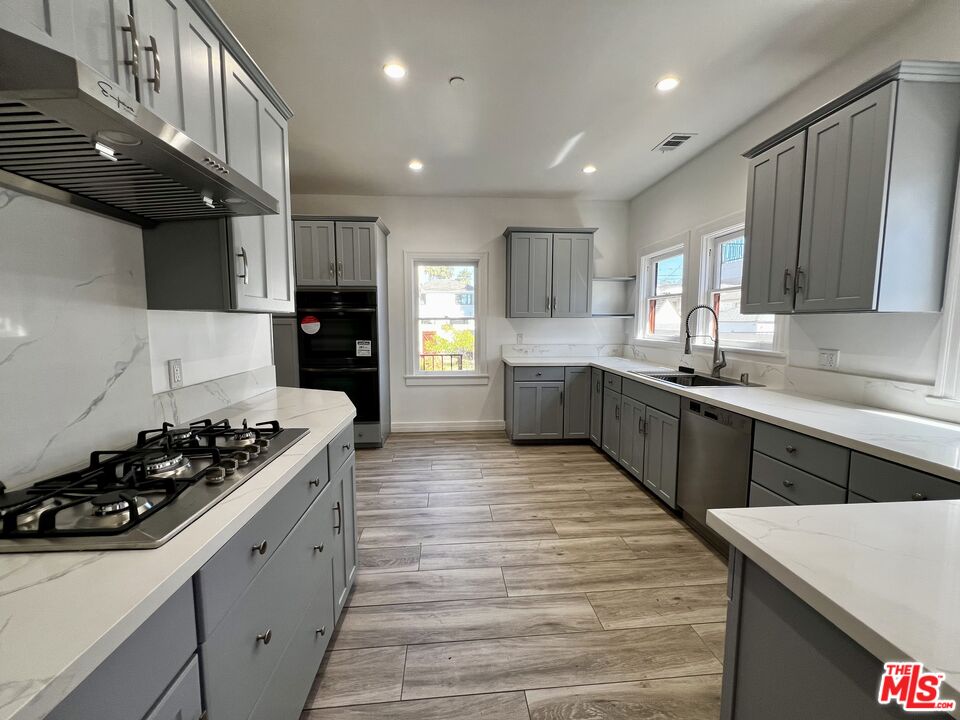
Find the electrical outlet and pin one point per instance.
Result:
(519, 338)
(828, 359)
(175, 373)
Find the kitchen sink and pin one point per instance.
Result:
(695, 380)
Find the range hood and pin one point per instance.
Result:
(68, 135)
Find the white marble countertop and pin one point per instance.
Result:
(929, 445)
(63, 614)
(886, 574)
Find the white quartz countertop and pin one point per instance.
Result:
(63, 614)
(886, 574)
(932, 446)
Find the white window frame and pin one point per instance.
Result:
(709, 283)
(413, 374)
(648, 286)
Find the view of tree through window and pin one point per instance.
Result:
(665, 288)
(723, 294)
(446, 317)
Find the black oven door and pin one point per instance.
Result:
(337, 338)
(359, 383)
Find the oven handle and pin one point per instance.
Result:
(340, 370)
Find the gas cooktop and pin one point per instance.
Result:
(142, 496)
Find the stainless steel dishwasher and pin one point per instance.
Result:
(714, 470)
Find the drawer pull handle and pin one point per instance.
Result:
(315, 483)
(918, 496)
(322, 630)
(346, 446)
(539, 374)
(318, 548)
(265, 637)
(339, 526)
(790, 449)
(788, 483)
(261, 548)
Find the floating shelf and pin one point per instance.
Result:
(615, 278)
(612, 315)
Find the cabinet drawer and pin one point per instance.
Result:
(340, 448)
(143, 666)
(292, 679)
(852, 497)
(181, 701)
(820, 458)
(532, 374)
(239, 658)
(795, 485)
(227, 574)
(761, 497)
(883, 481)
(367, 434)
(654, 397)
(612, 381)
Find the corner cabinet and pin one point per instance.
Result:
(549, 272)
(850, 209)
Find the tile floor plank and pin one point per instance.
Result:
(542, 661)
(713, 634)
(388, 559)
(426, 586)
(498, 706)
(501, 497)
(574, 527)
(649, 607)
(457, 533)
(524, 552)
(388, 502)
(423, 516)
(688, 698)
(432, 622)
(581, 509)
(352, 677)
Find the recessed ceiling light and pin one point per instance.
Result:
(667, 84)
(415, 165)
(394, 70)
(589, 169)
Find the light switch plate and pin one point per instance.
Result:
(828, 359)
(175, 373)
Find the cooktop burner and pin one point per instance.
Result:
(142, 496)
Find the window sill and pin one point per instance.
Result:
(447, 379)
(657, 342)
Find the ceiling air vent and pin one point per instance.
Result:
(673, 141)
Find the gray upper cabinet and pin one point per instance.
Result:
(159, 26)
(549, 272)
(104, 40)
(774, 192)
(49, 22)
(201, 78)
(572, 274)
(576, 403)
(529, 268)
(596, 405)
(844, 184)
(356, 254)
(876, 199)
(316, 255)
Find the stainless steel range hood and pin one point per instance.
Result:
(69, 136)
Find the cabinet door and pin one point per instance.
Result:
(843, 205)
(202, 83)
(610, 434)
(159, 24)
(774, 199)
(660, 455)
(632, 437)
(529, 291)
(49, 22)
(572, 274)
(627, 411)
(538, 410)
(576, 403)
(315, 248)
(102, 43)
(286, 355)
(343, 514)
(277, 228)
(181, 701)
(596, 405)
(242, 111)
(356, 254)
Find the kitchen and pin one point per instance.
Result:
(487, 360)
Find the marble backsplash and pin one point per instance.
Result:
(204, 399)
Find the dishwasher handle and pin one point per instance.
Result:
(718, 415)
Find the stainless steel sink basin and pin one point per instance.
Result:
(694, 380)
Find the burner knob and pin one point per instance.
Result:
(242, 457)
(264, 443)
(229, 465)
(253, 451)
(216, 475)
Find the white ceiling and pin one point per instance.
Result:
(539, 73)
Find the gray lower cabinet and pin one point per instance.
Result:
(182, 699)
(632, 436)
(538, 410)
(797, 486)
(342, 509)
(549, 272)
(596, 405)
(145, 666)
(610, 434)
(761, 497)
(576, 403)
(660, 454)
(882, 481)
(286, 351)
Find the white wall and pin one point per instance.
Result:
(713, 185)
(428, 224)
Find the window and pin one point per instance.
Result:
(663, 290)
(723, 276)
(444, 317)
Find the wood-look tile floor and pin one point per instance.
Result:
(506, 582)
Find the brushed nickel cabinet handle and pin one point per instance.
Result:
(134, 61)
(346, 446)
(801, 273)
(788, 483)
(786, 281)
(318, 548)
(261, 548)
(332, 269)
(246, 266)
(918, 496)
(321, 631)
(340, 268)
(265, 637)
(790, 449)
(339, 526)
(315, 482)
(155, 80)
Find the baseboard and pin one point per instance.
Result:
(447, 426)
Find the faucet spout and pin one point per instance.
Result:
(719, 356)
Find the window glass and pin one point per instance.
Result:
(725, 258)
(446, 317)
(664, 288)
